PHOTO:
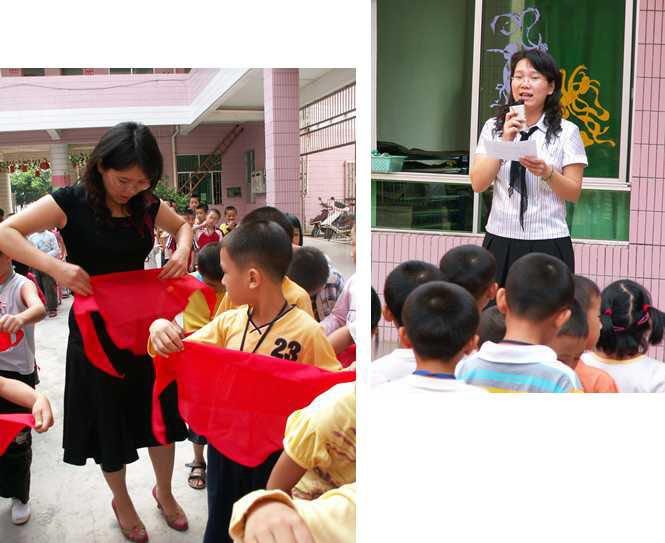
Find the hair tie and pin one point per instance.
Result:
(645, 316)
(619, 328)
(608, 312)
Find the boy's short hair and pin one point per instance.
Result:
(577, 325)
(470, 266)
(230, 208)
(208, 262)
(262, 243)
(268, 213)
(538, 286)
(492, 326)
(440, 318)
(204, 207)
(309, 269)
(376, 310)
(187, 213)
(216, 212)
(403, 280)
(585, 291)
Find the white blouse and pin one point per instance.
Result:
(545, 216)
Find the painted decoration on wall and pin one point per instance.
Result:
(587, 41)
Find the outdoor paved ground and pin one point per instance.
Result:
(72, 504)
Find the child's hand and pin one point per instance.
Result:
(41, 410)
(166, 337)
(274, 522)
(11, 323)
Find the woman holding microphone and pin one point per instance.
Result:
(529, 200)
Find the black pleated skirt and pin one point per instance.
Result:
(107, 418)
(507, 250)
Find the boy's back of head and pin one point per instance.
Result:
(470, 266)
(440, 318)
(585, 291)
(492, 325)
(538, 286)
(576, 326)
(263, 244)
(309, 269)
(207, 262)
(403, 280)
(268, 213)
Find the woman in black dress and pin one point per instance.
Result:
(107, 222)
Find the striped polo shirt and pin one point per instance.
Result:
(545, 216)
(511, 367)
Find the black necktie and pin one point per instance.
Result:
(518, 178)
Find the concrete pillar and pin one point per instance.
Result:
(281, 109)
(59, 159)
(5, 193)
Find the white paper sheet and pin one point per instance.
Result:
(511, 150)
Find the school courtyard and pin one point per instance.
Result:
(245, 137)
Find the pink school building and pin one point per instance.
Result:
(282, 137)
(617, 226)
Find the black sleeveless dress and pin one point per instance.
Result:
(107, 418)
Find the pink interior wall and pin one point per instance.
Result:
(325, 177)
(643, 258)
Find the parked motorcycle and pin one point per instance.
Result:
(315, 223)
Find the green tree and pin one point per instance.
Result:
(165, 192)
(28, 187)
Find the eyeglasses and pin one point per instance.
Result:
(531, 79)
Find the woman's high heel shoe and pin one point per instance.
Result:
(177, 521)
(137, 533)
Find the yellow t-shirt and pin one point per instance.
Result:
(293, 336)
(197, 313)
(293, 293)
(322, 439)
(330, 518)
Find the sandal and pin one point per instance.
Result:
(197, 475)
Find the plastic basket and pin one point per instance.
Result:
(387, 163)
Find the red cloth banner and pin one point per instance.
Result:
(10, 425)
(129, 302)
(239, 401)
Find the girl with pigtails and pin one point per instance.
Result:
(630, 324)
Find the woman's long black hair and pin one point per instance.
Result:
(124, 146)
(544, 64)
(630, 324)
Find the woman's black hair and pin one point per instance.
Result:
(124, 146)
(544, 64)
(629, 322)
(295, 221)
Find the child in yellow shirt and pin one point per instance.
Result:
(254, 257)
(293, 293)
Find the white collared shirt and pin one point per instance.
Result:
(639, 374)
(545, 216)
(395, 365)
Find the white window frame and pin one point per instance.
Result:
(621, 183)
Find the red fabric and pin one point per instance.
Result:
(347, 356)
(239, 401)
(10, 425)
(129, 302)
(6, 340)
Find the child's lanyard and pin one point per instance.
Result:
(426, 373)
(263, 336)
